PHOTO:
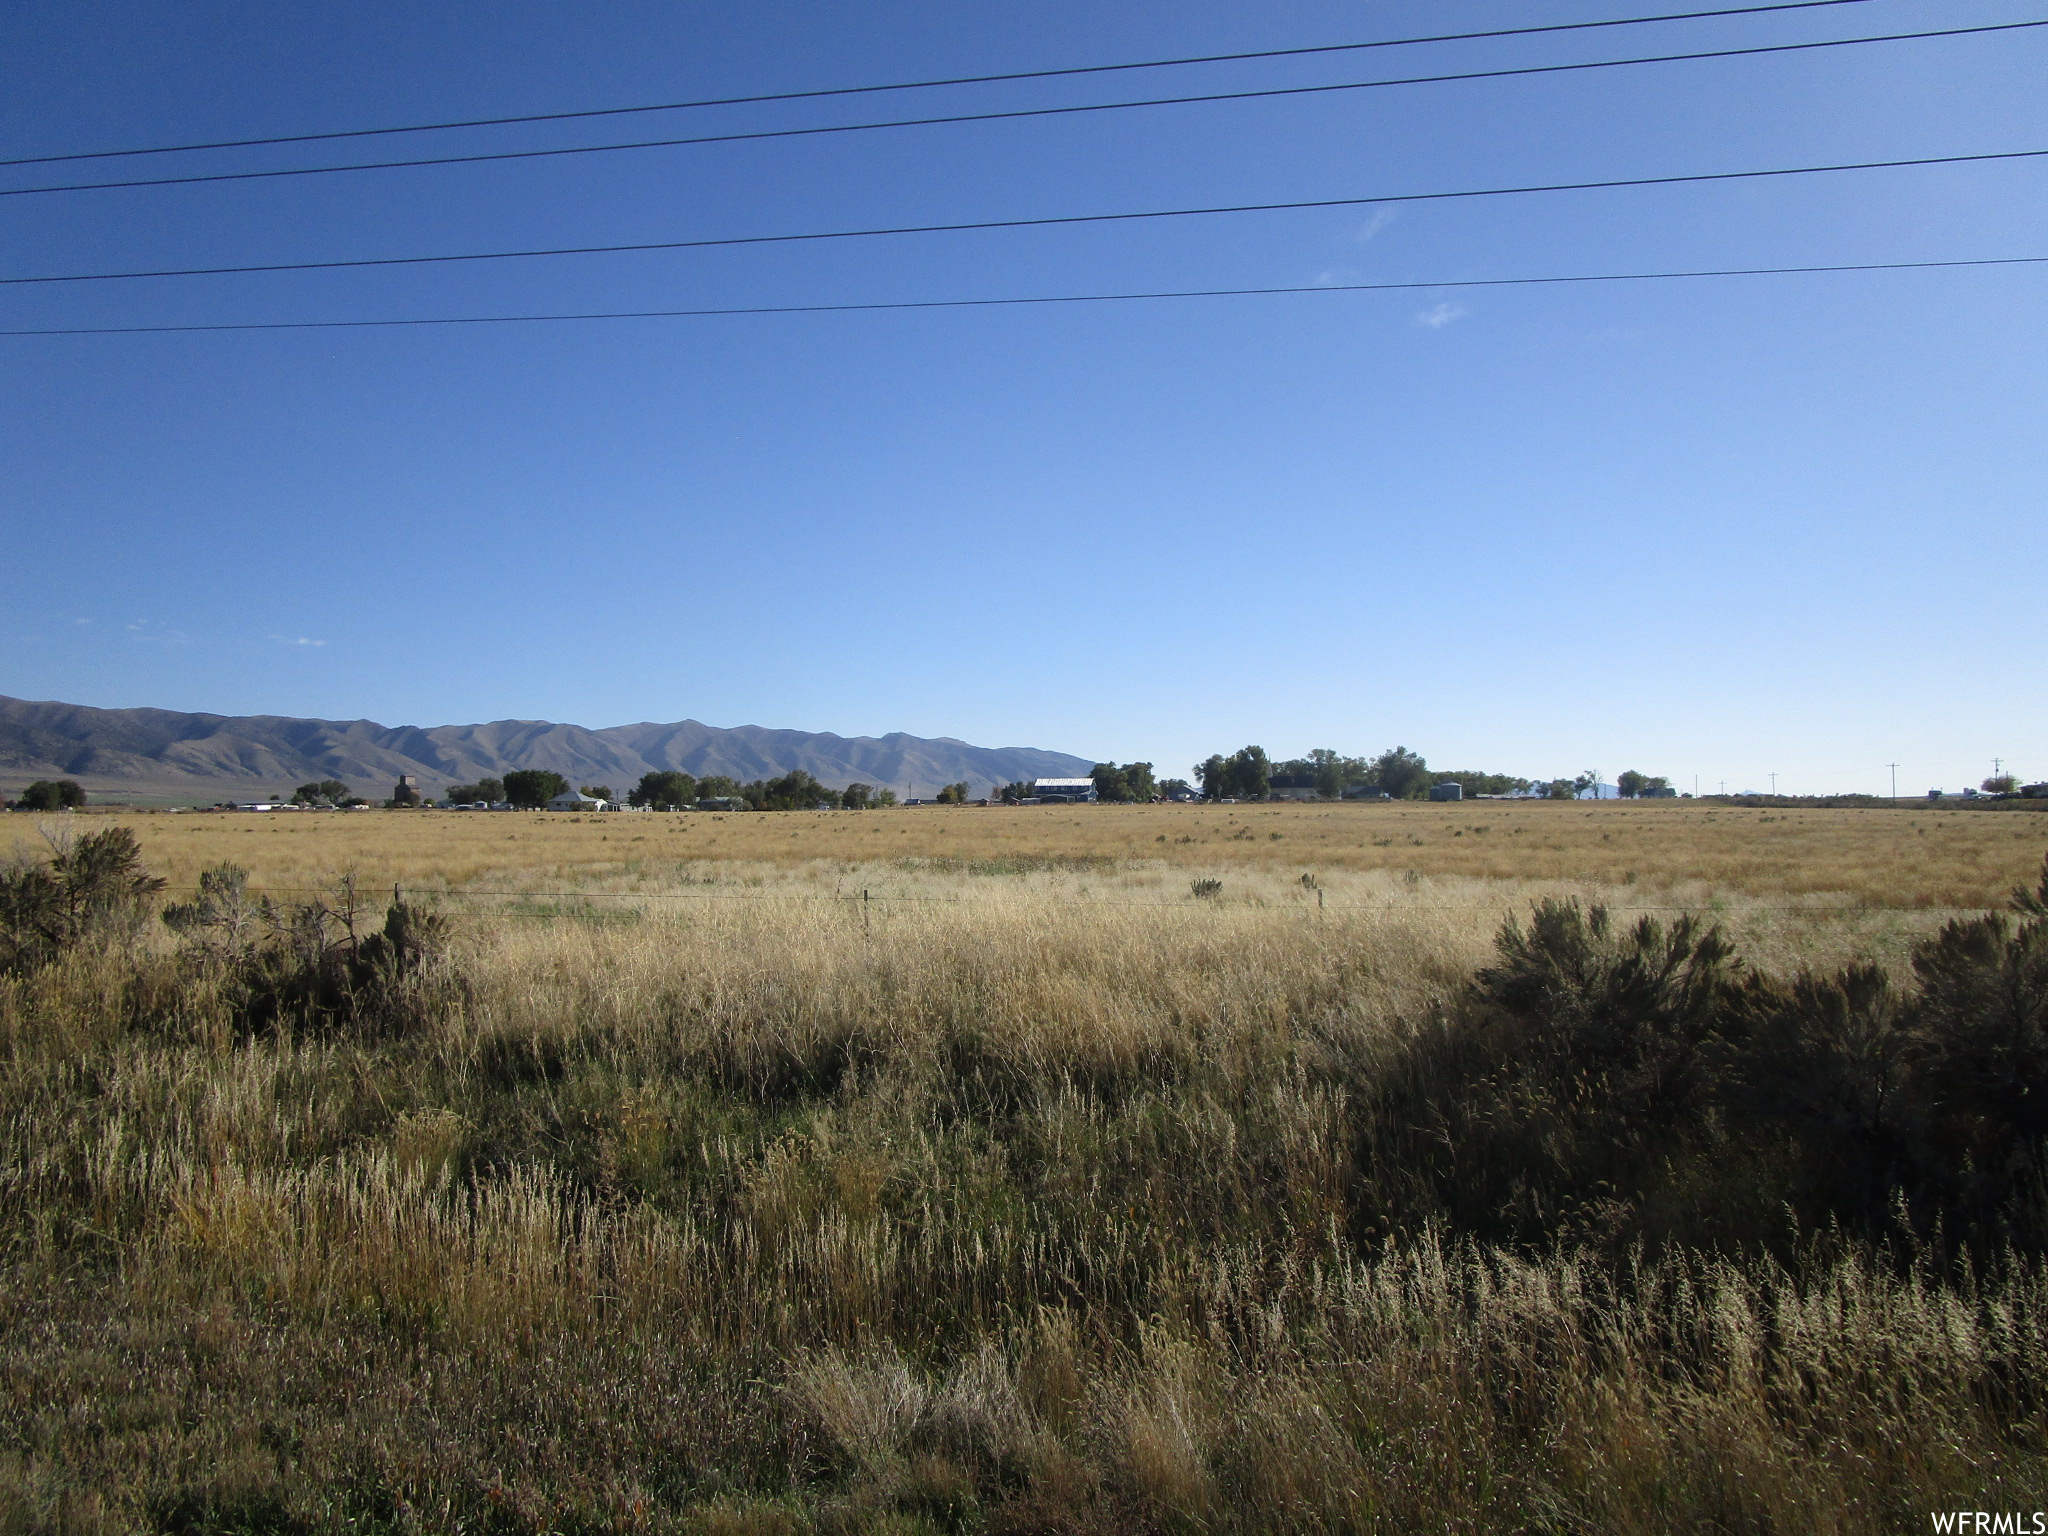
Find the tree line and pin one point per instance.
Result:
(673, 790)
(51, 795)
(1246, 774)
(1398, 773)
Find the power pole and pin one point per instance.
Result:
(1895, 779)
(1774, 786)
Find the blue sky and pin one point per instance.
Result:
(1724, 528)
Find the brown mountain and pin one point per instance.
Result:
(159, 753)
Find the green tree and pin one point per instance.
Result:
(1631, 783)
(1329, 771)
(1011, 794)
(1401, 774)
(2000, 784)
(664, 790)
(1587, 782)
(532, 788)
(1247, 774)
(857, 797)
(482, 792)
(1213, 774)
(794, 791)
(719, 787)
(1109, 783)
(1174, 786)
(885, 797)
(53, 795)
(598, 792)
(322, 792)
(953, 794)
(1139, 782)
(1476, 783)
(1324, 770)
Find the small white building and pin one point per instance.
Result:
(575, 800)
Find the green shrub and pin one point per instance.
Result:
(91, 888)
(305, 965)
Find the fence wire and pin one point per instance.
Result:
(870, 897)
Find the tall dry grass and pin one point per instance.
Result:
(1031, 1204)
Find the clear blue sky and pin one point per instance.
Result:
(1726, 528)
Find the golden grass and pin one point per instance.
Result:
(1013, 1200)
(1875, 857)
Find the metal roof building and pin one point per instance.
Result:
(1063, 789)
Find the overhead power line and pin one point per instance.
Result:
(1066, 298)
(925, 85)
(1018, 113)
(1035, 223)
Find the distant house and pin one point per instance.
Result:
(575, 800)
(1292, 792)
(1449, 790)
(1063, 789)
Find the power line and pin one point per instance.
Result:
(1068, 298)
(1012, 115)
(1037, 223)
(923, 85)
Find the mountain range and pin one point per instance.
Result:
(160, 753)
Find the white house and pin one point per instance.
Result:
(575, 800)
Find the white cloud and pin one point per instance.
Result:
(153, 633)
(300, 640)
(1442, 315)
(1381, 218)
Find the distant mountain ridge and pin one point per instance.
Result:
(262, 753)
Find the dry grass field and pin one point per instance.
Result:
(687, 1191)
(1884, 858)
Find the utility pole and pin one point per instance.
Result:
(1774, 786)
(1895, 779)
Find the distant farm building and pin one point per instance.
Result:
(1063, 789)
(1451, 791)
(575, 800)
